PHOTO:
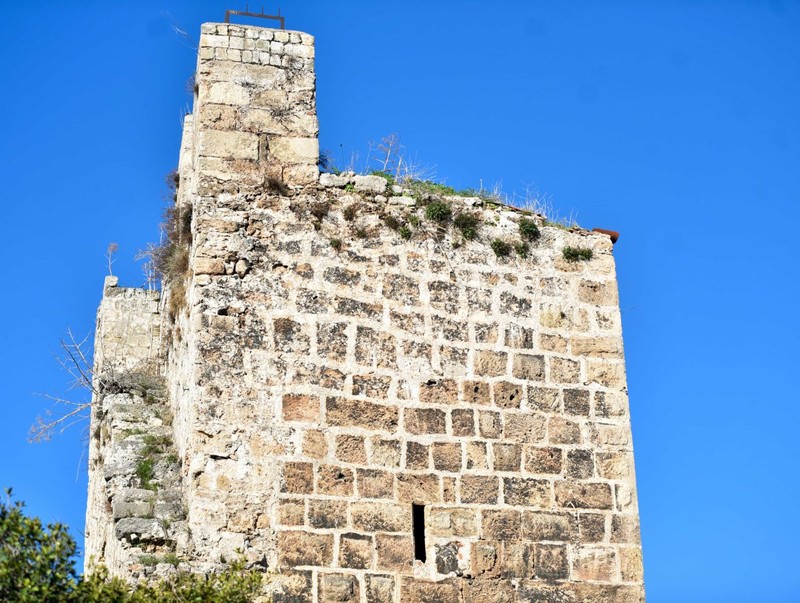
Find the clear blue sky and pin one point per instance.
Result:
(675, 122)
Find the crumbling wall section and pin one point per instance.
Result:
(135, 515)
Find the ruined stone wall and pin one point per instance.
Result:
(341, 357)
(135, 509)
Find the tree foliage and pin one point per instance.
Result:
(37, 565)
(36, 561)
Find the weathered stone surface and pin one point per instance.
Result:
(418, 488)
(342, 412)
(298, 548)
(380, 517)
(583, 495)
(324, 374)
(370, 184)
(395, 552)
(356, 551)
(334, 588)
(423, 591)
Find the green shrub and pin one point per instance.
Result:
(467, 224)
(438, 211)
(35, 560)
(528, 230)
(37, 564)
(390, 221)
(145, 471)
(336, 244)
(427, 188)
(576, 254)
(404, 232)
(522, 249)
(155, 444)
(413, 219)
(501, 248)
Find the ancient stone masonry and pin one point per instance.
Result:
(356, 398)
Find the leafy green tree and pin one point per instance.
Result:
(36, 561)
(37, 565)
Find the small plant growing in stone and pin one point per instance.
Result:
(349, 187)
(413, 219)
(528, 230)
(390, 221)
(467, 224)
(501, 248)
(145, 471)
(361, 233)
(438, 211)
(577, 254)
(522, 249)
(276, 186)
(404, 232)
(350, 212)
(336, 244)
(320, 210)
(327, 164)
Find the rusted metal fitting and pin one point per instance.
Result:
(262, 15)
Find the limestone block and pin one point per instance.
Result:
(327, 514)
(298, 548)
(334, 180)
(583, 495)
(479, 489)
(289, 150)
(423, 421)
(449, 522)
(370, 184)
(380, 517)
(374, 483)
(527, 492)
(335, 588)
(355, 551)
(394, 552)
(606, 374)
(403, 201)
(335, 480)
(359, 413)
(541, 460)
(595, 563)
(463, 422)
(425, 591)
(537, 525)
(228, 93)
(229, 145)
(502, 524)
(447, 456)
(301, 175)
(551, 561)
(297, 50)
(213, 41)
(418, 488)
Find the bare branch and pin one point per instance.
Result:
(110, 251)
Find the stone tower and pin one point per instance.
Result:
(349, 390)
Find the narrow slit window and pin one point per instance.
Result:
(418, 527)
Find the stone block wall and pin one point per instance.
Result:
(335, 379)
